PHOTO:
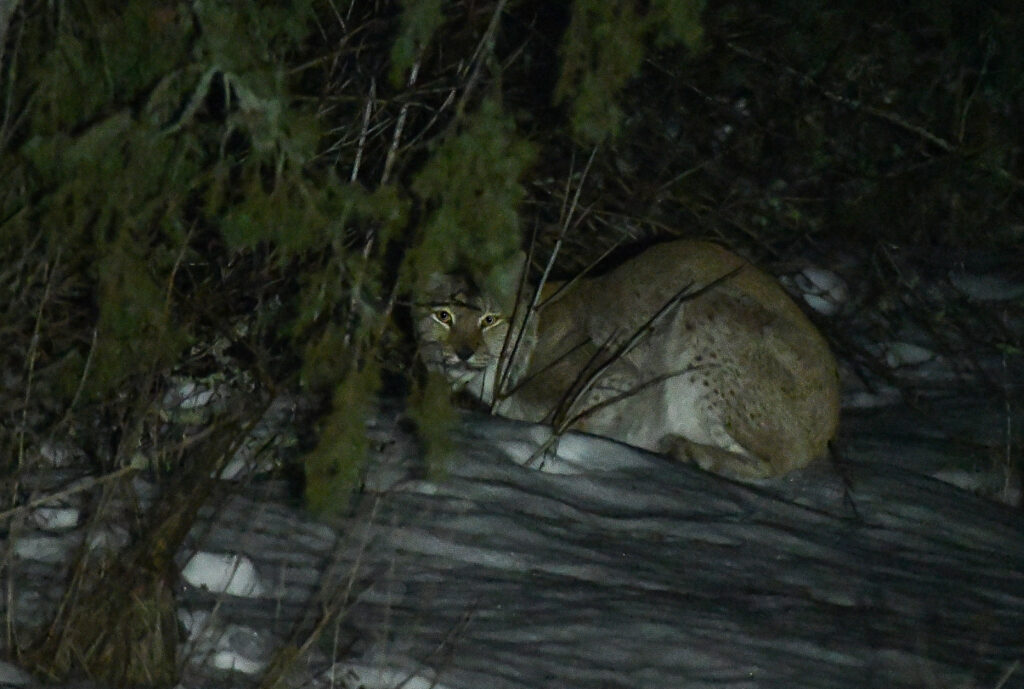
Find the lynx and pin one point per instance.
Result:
(686, 349)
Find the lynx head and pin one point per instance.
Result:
(464, 330)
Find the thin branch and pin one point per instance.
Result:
(585, 381)
(989, 50)
(885, 115)
(622, 350)
(7, 127)
(334, 607)
(396, 138)
(367, 111)
(486, 42)
(505, 361)
(449, 99)
(565, 225)
(569, 284)
(851, 103)
(1007, 674)
(82, 378)
(544, 369)
(33, 352)
(78, 487)
(626, 394)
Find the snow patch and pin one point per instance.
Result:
(59, 453)
(377, 677)
(11, 675)
(820, 304)
(188, 395)
(110, 539)
(55, 518)
(244, 465)
(193, 621)
(979, 483)
(823, 290)
(899, 354)
(234, 647)
(43, 548)
(232, 658)
(234, 575)
(987, 287)
(572, 453)
(594, 453)
(883, 396)
(519, 451)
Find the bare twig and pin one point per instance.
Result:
(449, 99)
(486, 43)
(974, 91)
(33, 352)
(447, 641)
(571, 282)
(371, 239)
(577, 392)
(7, 8)
(396, 138)
(199, 95)
(82, 378)
(508, 356)
(591, 373)
(566, 223)
(625, 394)
(61, 494)
(169, 292)
(333, 608)
(337, 15)
(1007, 674)
(885, 115)
(851, 103)
(367, 111)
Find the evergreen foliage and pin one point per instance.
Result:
(125, 159)
(603, 49)
(430, 408)
(420, 20)
(332, 469)
(471, 184)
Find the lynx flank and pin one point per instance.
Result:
(685, 349)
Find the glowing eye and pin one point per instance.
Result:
(488, 320)
(443, 316)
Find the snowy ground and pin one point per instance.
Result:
(596, 566)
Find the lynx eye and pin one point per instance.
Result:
(489, 320)
(444, 316)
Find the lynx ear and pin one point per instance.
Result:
(504, 278)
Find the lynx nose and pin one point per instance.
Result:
(464, 352)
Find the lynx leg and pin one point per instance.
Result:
(715, 459)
